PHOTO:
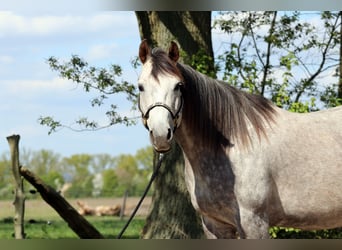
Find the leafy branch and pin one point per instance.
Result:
(281, 56)
(102, 80)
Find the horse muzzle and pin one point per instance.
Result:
(161, 130)
(161, 142)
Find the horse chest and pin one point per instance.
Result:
(211, 186)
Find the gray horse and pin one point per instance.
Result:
(249, 165)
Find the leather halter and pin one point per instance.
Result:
(175, 116)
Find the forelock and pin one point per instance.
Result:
(162, 64)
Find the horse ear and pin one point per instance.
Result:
(144, 51)
(174, 52)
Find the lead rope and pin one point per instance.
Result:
(154, 175)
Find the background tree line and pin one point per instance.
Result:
(100, 175)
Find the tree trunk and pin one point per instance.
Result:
(172, 214)
(192, 30)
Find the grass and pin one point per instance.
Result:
(110, 227)
(42, 222)
(58, 229)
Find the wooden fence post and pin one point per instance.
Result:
(19, 200)
(123, 207)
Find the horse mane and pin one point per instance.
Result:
(221, 114)
(217, 112)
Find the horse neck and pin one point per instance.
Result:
(196, 148)
(218, 116)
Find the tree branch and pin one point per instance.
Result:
(88, 125)
(308, 81)
(268, 54)
(240, 72)
(255, 43)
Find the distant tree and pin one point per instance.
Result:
(6, 177)
(102, 167)
(126, 169)
(81, 178)
(144, 158)
(110, 183)
(46, 164)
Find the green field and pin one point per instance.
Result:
(42, 222)
(58, 229)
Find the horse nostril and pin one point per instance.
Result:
(169, 134)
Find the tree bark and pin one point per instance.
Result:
(172, 214)
(75, 221)
(268, 55)
(192, 30)
(19, 200)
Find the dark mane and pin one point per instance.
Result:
(219, 113)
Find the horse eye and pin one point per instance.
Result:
(141, 88)
(178, 86)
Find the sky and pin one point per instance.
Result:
(30, 89)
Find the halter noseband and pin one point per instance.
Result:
(175, 117)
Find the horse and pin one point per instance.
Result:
(249, 164)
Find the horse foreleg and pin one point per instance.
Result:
(215, 229)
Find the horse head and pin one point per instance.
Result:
(160, 99)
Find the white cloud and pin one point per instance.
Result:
(60, 6)
(102, 51)
(31, 130)
(5, 59)
(12, 24)
(35, 87)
